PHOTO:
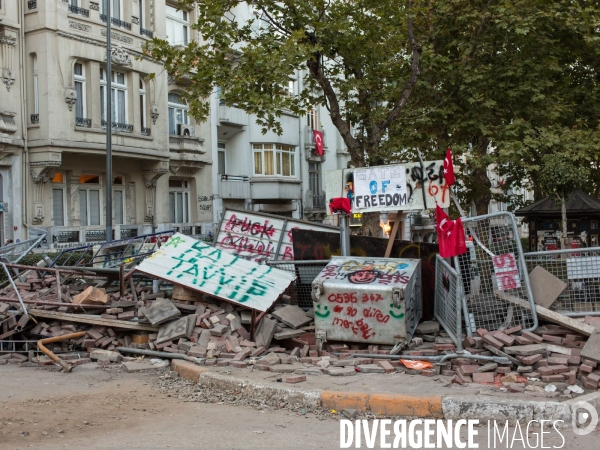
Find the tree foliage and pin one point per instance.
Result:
(360, 59)
(507, 83)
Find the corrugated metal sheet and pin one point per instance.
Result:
(261, 237)
(200, 267)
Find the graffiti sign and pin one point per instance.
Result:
(368, 299)
(506, 271)
(200, 267)
(380, 188)
(318, 245)
(261, 237)
(428, 179)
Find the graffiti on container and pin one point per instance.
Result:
(358, 327)
(377, 272)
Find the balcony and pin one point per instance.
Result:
(230, 115)
(77, 10)
(117, 22)
(234, 187)
(145, 131)
(310, 147)
(83, 122)
(315, 201)
(275, 189)
(7, 123)
(147, 33)
(119, 127)
(185, 144)
(35, 118)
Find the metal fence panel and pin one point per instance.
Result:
(494, 275)
(580, 270)
(13, 253)
(448, 300)
(305, 272)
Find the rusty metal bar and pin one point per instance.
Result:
(65, 365)
(48, 303)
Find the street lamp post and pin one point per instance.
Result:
(108, 125)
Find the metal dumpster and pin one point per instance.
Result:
(371, 300)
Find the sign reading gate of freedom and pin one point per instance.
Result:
(191, 263)
(380, 188)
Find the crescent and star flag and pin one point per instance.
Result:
(451, 234)
(318, 136)
(449, 168)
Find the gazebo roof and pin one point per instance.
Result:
(578, 203)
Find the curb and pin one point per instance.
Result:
(431, 407)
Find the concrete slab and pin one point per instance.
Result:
(134, 366)
(292, 316)
(591, 349)
(546, 288)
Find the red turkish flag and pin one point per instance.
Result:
(318, 137)
(451, 234)
(449, 168)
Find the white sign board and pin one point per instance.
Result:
(261, 237)
(428, 180)
(583, 267)
(380, 188)
(201, 267)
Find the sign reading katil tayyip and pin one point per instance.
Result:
(380, 188)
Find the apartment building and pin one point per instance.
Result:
(53, 119)
(278, 174)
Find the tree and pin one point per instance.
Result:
(360, 59)
(506, 83)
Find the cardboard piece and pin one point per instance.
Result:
(546, 287)
(92, 296)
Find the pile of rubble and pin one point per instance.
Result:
(135, 317)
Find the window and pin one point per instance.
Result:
(36, 91)
(118, 97)
(142, 105)
(178, 26)
(79, 77)
(116, 8)
(221, 159)
(89, 199)
(58, 200)
(312, 119)
(142, 14)
(178, 112)
(179, 200)
(314, 178)
(289, 89)
(119, 200)
(274, 160)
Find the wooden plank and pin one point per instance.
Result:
(94, 320)
(393, 234)
(549, 315)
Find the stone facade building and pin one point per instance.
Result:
(169, 172)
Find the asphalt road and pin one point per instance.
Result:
(94, 408)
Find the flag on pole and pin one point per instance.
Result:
(318, 137)
(449, 168)
(338, 204)
(451, 234)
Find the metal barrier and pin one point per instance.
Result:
(580, 269)
(111, 254)
(13, 253)
(448, 300)
(305, 273)
(495, 281)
